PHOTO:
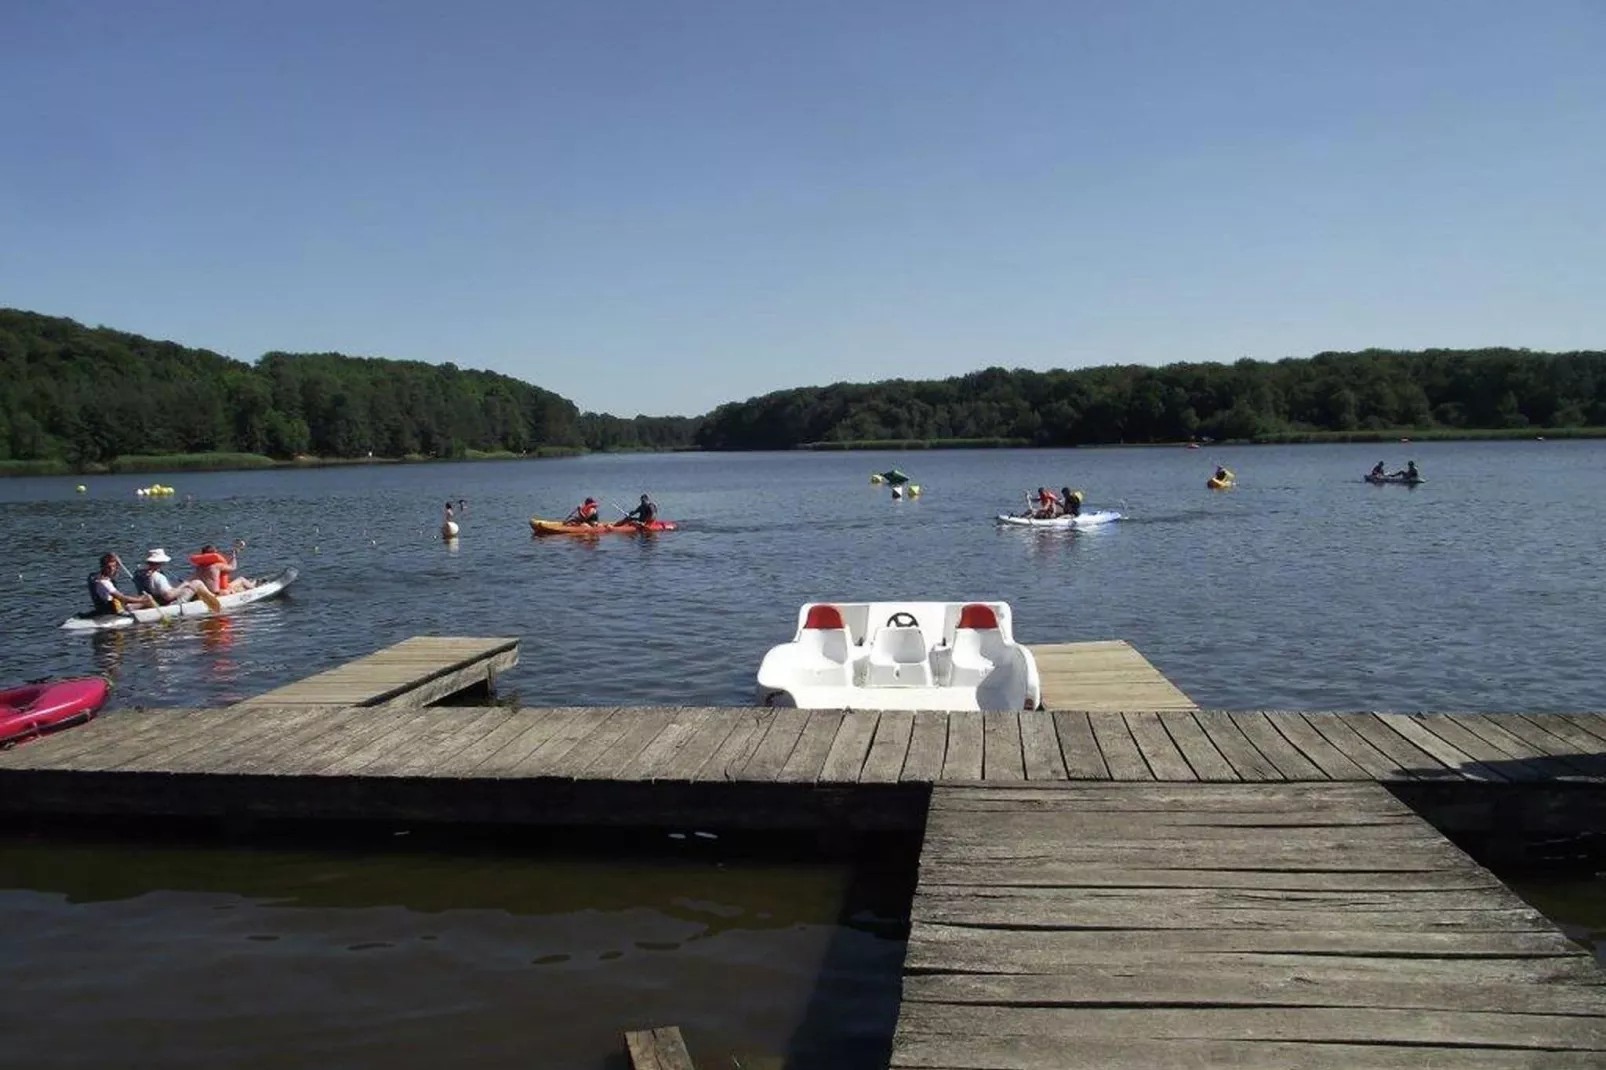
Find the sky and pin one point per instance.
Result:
(658, 207)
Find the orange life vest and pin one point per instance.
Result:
(207, 561)
(587, 512)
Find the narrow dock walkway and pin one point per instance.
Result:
(1105, 675)
(415, 672)
(1318, 926)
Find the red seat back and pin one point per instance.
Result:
(977, 616)
(823, 617)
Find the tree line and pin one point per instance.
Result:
(85, 395)
(1372, 390)
(88, 395)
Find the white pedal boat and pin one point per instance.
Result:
(1062, 523)
(901, 656)
(193, 608)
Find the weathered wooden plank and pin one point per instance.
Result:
(1119, 750)
(1291, 901)
(1165, 761)
(1001, 746)
(682, 727)
(1587, 759)
(1078, 747)
(1061, 913)
(451, 732)
(1422, 875)
(986, 1051)
(1040, 746)
(1445, 745)
(658, 1049)
(465, 760)
(700, 747)
(1300, 734)
(1372, 1025)
(130, 732)
(729, 761)
(928, 748)
(605, 728)
(1488, 760)
(1334, 728)
(813, 746)
(548, 735)
(290, 747)
(780, 737)
(1201, 754)
(1410, 760)
(643, 725)
(964, 757)
(408, 723)
(1592, 723)
(1145, 985)
(206, 741)
(850, 748)
(1244, 757)
(417, 671)
(893, 731)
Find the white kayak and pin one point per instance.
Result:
(268, 588)
(1084, 520)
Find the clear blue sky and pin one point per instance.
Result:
(659, 206)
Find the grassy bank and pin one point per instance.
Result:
(236, 462)
(920, 444)
(1433, 434)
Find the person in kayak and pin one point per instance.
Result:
(103, 590)
(1378, 471)
(1222, 475)
(1411, 474)
(643, 514)
(1070, 502)
(1047, 505)
(212, 568)
(584, 513)
(150, 580)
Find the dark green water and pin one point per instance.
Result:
(484, 954)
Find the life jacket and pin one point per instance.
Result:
(98, 597)
(587, 512)
(142, 580)
(202, 561)
(1046, 500)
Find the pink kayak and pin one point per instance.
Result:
(39, 709)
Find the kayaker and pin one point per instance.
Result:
(1221, 476)
(1070, 502)
(1410, 471)
(643, 514)
(212, 568)
(584, 513)
(1047, 504)
(1379, 472)
(149, 579)
(103, 590)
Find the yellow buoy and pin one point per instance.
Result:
(82, 488)
(914, 490)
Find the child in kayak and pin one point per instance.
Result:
(212, 569)
(643, 514)
(584, 513)
(1047, 504)
(103, 590)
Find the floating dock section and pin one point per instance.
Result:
(415, 672)
(1108, 675)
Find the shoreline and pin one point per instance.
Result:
(239, 462)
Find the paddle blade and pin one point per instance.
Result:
(209, 598)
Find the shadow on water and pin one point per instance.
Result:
(410, 946)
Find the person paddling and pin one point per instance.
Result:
(103, 590)
(1047, 504)
(584, 513)
(642, 515)
(1378, 471)
(1071, 501)
(150, 580)
(212, 569)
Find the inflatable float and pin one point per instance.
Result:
(39, 709)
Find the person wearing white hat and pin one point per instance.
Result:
(148, 579)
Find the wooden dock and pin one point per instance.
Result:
(1137, 926)
(1107, 675)
(1121, 880)
(415, 672)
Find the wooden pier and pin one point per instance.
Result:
(1137, 926)
(1106, 675)
(415, 672)
(1145, 886)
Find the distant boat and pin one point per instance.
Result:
(1193, 445)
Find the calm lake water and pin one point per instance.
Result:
(1483, 589)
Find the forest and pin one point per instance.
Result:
(1435, 390)
(86, 396)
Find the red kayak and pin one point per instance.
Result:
(37, 710)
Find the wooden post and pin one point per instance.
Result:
(658, 1049)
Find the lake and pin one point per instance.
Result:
(1301, 588)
